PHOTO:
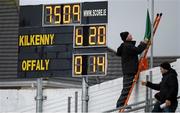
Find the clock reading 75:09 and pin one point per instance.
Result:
(61, 14)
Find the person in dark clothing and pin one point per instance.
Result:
(168, 89)
(129, 60)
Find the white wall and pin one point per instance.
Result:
(104, 96)
(22, 101)
(17, 100)
(130, 15)
(57, 100)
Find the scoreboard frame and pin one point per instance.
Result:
(57, 52)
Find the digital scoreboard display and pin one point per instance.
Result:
(61, 14)
(90, 36)
(63, 40)
(89, 64)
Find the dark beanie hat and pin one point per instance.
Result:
(166, 66)
(124, 35)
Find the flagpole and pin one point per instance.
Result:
(151, 58)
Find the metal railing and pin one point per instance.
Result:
(129, 108)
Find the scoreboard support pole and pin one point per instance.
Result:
(85, 96)
(39, 96)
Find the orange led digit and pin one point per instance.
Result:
(76, 13)
(57, 15)
(92, 64)
(101, 63)
(92, 36)
(78, 37)
(66, 14)
(78, 65)
(50, 13)
(101, 35)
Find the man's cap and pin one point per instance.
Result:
(124, 35)
(165, 65)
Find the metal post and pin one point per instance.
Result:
(85, 97)
(150, 93)
(151, 58)
(147, 96)
(39, 96)
(69, 104)
(76, 102)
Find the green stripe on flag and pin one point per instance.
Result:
(147, 35)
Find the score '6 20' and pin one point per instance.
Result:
(90, 36)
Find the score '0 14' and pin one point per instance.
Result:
(91, 64)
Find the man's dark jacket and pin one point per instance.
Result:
(168, 87)
(129, 56)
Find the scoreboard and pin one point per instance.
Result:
(63, 40)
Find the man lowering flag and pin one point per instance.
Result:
(131, 67)
(129, 59)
